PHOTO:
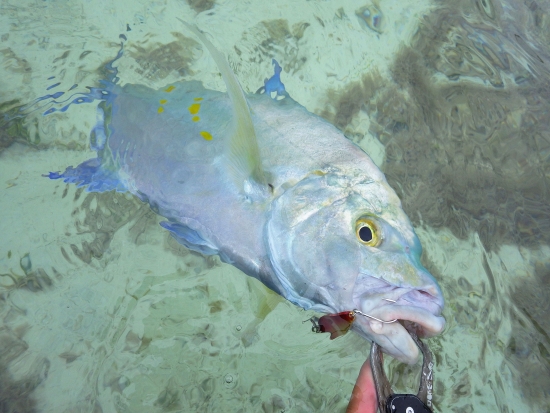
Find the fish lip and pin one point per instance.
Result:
(395, 338)
(422, 322)
(401, 302)
(408, 298)
(413, 318)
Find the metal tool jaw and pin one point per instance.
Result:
(388, 402)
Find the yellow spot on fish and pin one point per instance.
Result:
(160, 110)
(197, 99)
(195, 119)
(206, 135)
(194, 108)
(163, 101)
(170, 88)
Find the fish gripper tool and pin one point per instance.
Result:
(388, 402)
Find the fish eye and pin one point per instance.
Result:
(367, 232)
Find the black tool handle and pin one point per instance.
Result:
(405, 403)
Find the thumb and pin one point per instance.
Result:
(363, 398)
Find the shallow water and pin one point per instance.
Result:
(103, 311)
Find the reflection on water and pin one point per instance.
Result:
(102, 311)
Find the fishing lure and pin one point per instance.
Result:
(339, 324)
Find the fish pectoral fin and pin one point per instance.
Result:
(244, 154)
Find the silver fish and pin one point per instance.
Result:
(274, 190)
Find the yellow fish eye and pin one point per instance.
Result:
(367, 232)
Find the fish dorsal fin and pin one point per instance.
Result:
(244, 157)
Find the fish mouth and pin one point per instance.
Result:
(395, 317)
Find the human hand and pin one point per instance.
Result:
(363, 398)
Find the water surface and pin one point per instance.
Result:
(102, 311)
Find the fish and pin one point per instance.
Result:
(274, 190)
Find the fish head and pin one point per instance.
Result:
(341, 243)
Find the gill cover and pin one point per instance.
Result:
(312, 241)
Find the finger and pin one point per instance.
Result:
(363, 398)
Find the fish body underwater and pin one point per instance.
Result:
(274, 190)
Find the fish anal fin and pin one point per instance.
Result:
(189, 238)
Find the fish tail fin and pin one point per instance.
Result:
(92, 174)
(99, 174)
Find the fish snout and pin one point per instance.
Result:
(407, 284)
(394, 307)
(428, 297)
(389, 322)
